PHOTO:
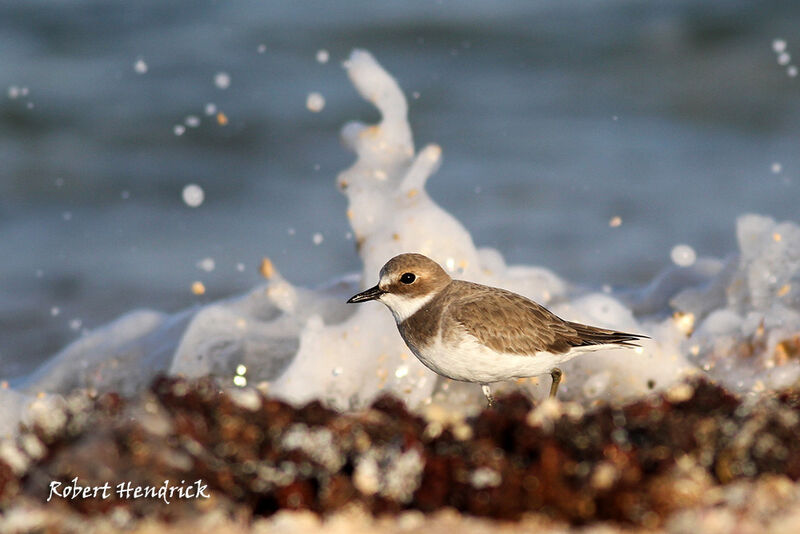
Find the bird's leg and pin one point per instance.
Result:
(556, 375)
(487, 391)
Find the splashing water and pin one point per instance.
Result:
(737, 320)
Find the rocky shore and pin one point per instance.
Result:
(695, 456)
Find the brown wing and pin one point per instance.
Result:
(511, 323)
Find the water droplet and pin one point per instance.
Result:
(193, 195)
(206, 264)
(683, 255)
(222, 80)
(140, 67)
(315, 102)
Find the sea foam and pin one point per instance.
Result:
(737, 320)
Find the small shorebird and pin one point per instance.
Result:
(475, 333)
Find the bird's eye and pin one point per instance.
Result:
(408, 278)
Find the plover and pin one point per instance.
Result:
(476, 333)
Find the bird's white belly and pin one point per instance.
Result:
(469, 361)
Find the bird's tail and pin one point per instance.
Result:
(591, 335)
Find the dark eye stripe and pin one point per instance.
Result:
(408, 278)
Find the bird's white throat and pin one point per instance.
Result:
(403, 307)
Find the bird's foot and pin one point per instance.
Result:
(555, 374)
(487, 391)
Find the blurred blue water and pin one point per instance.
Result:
(553, 116)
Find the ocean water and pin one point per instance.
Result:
(554, 118)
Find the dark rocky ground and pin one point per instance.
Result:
(695, 455)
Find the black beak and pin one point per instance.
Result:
(369, 294)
